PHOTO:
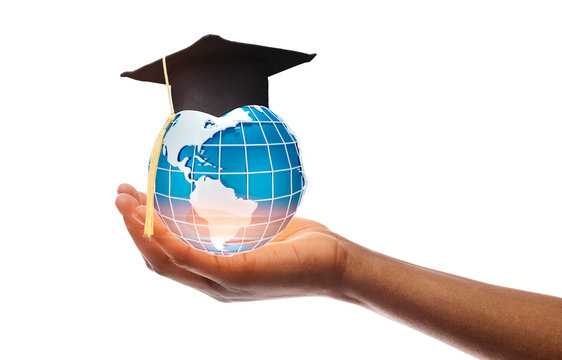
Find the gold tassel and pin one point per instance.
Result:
(149, 220)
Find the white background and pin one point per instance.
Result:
(431, 132)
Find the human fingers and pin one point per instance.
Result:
(129, 189)
(299, 225)
(142, 197)
(157, 259)
(153, 255)
(126, 204)
(151, 252)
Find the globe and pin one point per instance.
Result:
(227, 185)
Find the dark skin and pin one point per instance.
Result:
(307, 259)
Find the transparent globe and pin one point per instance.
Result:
(227, 185)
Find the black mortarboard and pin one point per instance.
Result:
(215, 75)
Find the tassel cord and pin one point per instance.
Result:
(156, 150)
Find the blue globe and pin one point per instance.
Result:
(227, 185)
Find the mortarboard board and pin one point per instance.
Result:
(215, 75)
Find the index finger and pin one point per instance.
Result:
(129, 189)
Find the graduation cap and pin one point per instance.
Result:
(214, 76)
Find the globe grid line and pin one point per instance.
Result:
(206, 225)
(258, 200)
(170, 194)
(303, 180)
(246, 161)
(218, 171)
(193, 210)
(250, 122)
(272, 174)
(170, 200)
(158, 207)
(234, 172)
(247, 181)
(291, 184)
(202, 242)
(220, 148)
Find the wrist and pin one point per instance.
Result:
(355, 270)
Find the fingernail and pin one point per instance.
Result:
(138, 216)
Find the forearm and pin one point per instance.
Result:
(482, 319)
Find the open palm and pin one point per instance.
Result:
(305, 259)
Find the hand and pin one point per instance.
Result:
(305, 259)
(308, 259)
